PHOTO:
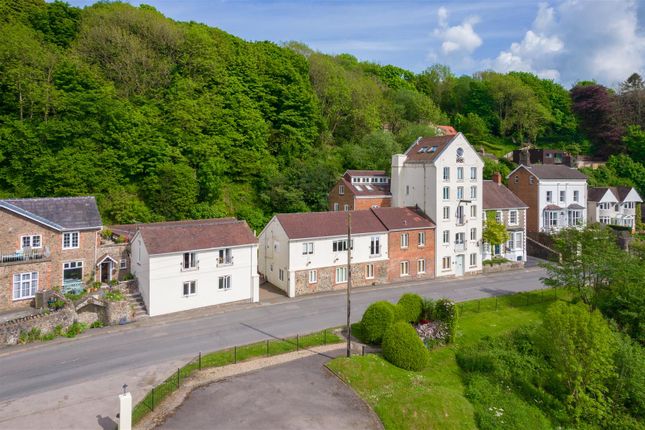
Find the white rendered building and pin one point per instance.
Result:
(613, 205)
(442, 175)
(185, 265)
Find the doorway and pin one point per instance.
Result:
(459, 265)
(106, 271)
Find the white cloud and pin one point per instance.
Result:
(576, 40)
(458, 41)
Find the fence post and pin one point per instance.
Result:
(297, 342)
(363, 350)
(200, 360)
(267, 347)
(495, 304)
(235, 354)
(325, 337)
(153, 398)
(177, 377)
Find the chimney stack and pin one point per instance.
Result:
(497, 178)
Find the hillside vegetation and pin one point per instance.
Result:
(169, 120)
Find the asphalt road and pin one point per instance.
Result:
(39, 368)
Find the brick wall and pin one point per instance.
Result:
(118, 252)
(411, 254)
(336, 197)
(327, 278)
(382, 202)
(528, 193)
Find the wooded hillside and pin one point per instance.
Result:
(167, 120)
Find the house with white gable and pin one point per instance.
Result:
(613, 205)
(183, 265)
(442, 175)
(555, 194)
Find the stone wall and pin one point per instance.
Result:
(118, 252)
(513, 265)
(45, 322)
(326, 278)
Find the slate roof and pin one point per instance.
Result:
(351, 173)
(552, 208)
(362, 189)
(323, 224)
(193, 235)
(59, 213)
(554, 171)
(439, 143)
(403, 218)
(595, 194)
(621, 192)
(497, 196)
(575, 206)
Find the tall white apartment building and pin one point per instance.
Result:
(442, 175)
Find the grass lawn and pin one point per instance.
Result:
(434, 398)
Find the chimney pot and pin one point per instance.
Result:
(497, 178)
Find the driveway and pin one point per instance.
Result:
(301, 394)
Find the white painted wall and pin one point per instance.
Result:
(568, 186)
(422, 184)
(140, 267)
(273, 256)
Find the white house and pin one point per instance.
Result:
(613, 205)
(556, 196)
(304, 253)
(510, 211)
(185, 265)
(442, 175)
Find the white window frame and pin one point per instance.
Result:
(473, 173)
(25, 285)
(460, 173)
(445, 263)
(341, 275)
(446, 212)
(460, 193)
(192, 261)
(69, 237)
(30, 241)
(313, 276)
(446, 193)
(563, 196)
(123, 264)
(422, 239)
(446, 173)
(499, 217)
(404, 268)
(375, 246)
(281, 274)
(576, 195)
(518, 240)
(421, 266)
(341, 190)
(346, 207)
(473, 192)
(513, 218)
(549, 196)
(369, 271)
(473, 259)
(405, 240)
(473, 211)
(446, 237)
(473, 233)
(307, 248)
(336, 207)
(224, 283)
(192, 288)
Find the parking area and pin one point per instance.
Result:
(301, 394)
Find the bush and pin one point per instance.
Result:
(428, 310)
(403, 347)
(410, 307)
(445, 310)
(75, 329)
(97, 324)
(376, 319)
(114, 296)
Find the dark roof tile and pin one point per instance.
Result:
(323, 224)
(60, 213)
(403, 218)
(497, 196)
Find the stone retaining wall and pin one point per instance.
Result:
(511, 265)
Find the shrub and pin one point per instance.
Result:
(30, 336)
(410, 307)
(56, 304)
(74, 297)
(128, 277)
(446, 311)
(428, 309)
(114, 296)
(97, 324)
(113, 283)
(75, 329)
(403, 347)
(376, 319)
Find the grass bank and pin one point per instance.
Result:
(434, 398)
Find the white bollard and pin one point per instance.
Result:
(125, 413)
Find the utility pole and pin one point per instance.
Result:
(349, 283)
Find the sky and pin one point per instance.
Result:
(564, 40)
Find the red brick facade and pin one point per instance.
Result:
(412, 254)
(50, 268)
(520, 183)
(354, 202)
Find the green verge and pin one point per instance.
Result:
(226, 357)
(434, 398)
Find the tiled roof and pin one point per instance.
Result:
(575, 206)
(497, 196)
(403, 218)
(447, 129)
(59, 213)
(362, 189)
(552, 208)
(192, 235)
(430, 147)
(323, 224)
(553, 171)
(351, 173)
(595, 194)
(621, 192)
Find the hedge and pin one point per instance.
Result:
(376, 319)
(403, 347)
(411, 307)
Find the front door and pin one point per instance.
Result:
(459, 265)
(106, 271)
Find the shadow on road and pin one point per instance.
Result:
(106, 423)
(283, 339)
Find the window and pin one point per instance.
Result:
(72, 272)
(123, 264)
(604, 220)
(460, 238)
(281, 275)
(519, 240)
(460, 193)
(31, 241)
(313, 276)
(445, 263)
(499, 217)
(512, 217)
(405, 268)
(473, 173)
(562, 195)
(551, 218)
(446, 236)
(473, 192)
(224, 282)
(340, 245)
(473, 211)
(190, 288)
(375, 246)
(460, 173)
(190, 261)
(446, 212)
(225, 256)
(307, 248)
(473, 234)
(461, 219)
(25, 285)
(336, 207)
(575, 218)
(473, 259)
(405, 239)
(341, 275)
(70, 240)
(576, 196)
(531, 180)
(346, 207)
(446, 173)
(511, 244)
(407, 190)
(446, 193)
(369, 271)
(516, 179)
(421, 266)
(341, 190)
(422, 238)
(549, 197)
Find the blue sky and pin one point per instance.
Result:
(565, 40)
